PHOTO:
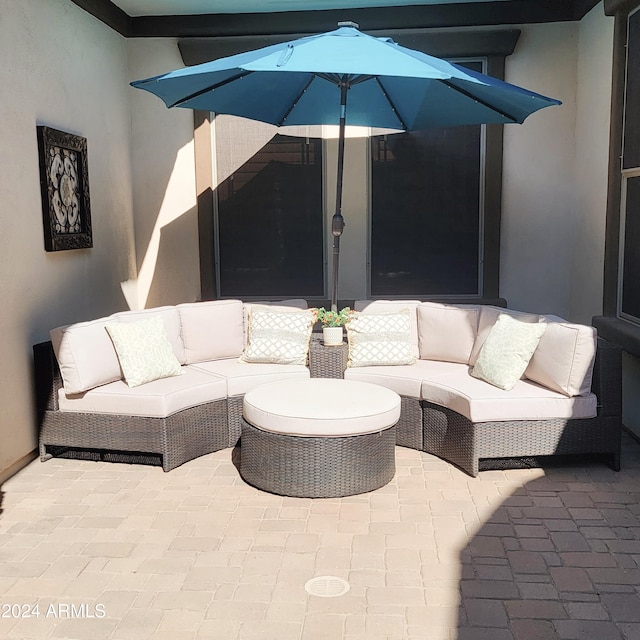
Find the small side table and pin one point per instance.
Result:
(327, 362)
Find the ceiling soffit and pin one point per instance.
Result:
(469, 14)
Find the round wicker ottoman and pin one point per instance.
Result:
(319, 437)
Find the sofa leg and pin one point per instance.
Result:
(614, 461)
(44, 456)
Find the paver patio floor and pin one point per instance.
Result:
(126, 552)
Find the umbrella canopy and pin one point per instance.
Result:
(308, 81)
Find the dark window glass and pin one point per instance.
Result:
(632, 97)
(425, 211)
(270, 233)
(631, 267)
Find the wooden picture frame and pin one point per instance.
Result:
(64, 184)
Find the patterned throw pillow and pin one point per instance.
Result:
(278, 337)
(144, 350)
(380, 339)
(506, 352)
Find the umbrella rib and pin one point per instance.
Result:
(295, 102)
(391, 104)
(212, 87)
(504, 114)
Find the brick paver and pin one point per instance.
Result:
(116, 551)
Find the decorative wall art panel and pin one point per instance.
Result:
(64, 182)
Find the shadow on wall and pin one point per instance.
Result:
(558, 558)
(176, 263)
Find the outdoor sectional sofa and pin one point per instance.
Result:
(568, 402)
(84, 406)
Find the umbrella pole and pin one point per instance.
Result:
(337, 222)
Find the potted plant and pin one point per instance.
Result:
(332, 323)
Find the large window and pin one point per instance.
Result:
(269, 213)
(426, 212)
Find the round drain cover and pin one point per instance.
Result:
(327, 586)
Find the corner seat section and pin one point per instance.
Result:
(481, 402)
(241, 377)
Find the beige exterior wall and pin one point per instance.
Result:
(595, 59)
(62, 68)
(555, 176)
(538, 185)
(164, 190)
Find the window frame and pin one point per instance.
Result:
(613, 325)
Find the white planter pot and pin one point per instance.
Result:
(332, 336)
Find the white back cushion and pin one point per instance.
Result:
(564, 358)
(394, 306)
(86, 355)
(446, 332)
(212, 330)
(171, 319)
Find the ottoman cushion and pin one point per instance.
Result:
(321, 407)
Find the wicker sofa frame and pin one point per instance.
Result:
(176, 439)
(210, 427)
(464, 443)
(449, 435)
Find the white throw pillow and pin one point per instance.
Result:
(507, 350)
(394, 306)
(380, 339)
(564, 358)
(282, 305)
(488, 317)
(278, 336)
(144, 350)
(446, 332)
(171, 318)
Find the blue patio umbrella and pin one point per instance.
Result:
(308, 81)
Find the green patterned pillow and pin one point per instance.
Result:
(278, 337)
(507, 350)
(380, 339)
(144, 350)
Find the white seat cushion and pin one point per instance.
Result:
(157, 399)
(482, 402)
(405, 380)
(240, 377)
(321, 407)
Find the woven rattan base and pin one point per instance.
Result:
(451, 436)
(316, 467)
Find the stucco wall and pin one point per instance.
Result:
(538, 184)
(62, 68)
(555, 176)
(164, 191)
(595, 59)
